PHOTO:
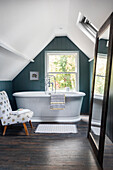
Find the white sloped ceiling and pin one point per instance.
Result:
(26, 27)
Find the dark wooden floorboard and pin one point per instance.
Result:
(49, 151)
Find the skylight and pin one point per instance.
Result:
(86, 27)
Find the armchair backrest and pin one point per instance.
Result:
(5, 107)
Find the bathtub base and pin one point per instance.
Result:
(39, 103)
(61, 119)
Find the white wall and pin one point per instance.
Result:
(28, 26)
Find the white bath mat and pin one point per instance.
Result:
(56, 128)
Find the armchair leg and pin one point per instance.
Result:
(5, 127)
(30, 124)
(25, 128)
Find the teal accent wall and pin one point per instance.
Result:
(102, 46)
(7, 86)
(22, 81)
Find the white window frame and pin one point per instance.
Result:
(65, 53)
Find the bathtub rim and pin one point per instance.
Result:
(30, 94)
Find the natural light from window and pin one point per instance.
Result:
(100, 74)
(64, 66)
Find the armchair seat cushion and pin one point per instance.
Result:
(20, 111)
(14, 118)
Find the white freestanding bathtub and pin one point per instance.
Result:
(39, 103)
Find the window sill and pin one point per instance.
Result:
(98, 97)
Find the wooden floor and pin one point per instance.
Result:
(49, 151)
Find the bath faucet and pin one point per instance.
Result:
(49, 83)
(52, 85)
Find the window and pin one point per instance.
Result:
(86, 26)
(64, 67)
(89, 26)
(100, 74)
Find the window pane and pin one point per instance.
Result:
(99, 85)
(62, 63)
(63, 81)
(101, 65)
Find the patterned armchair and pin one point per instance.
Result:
(9, 117)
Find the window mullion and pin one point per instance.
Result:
(62, 73)
(99, 75)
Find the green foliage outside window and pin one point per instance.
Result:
(100, 74)
(63, 67)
